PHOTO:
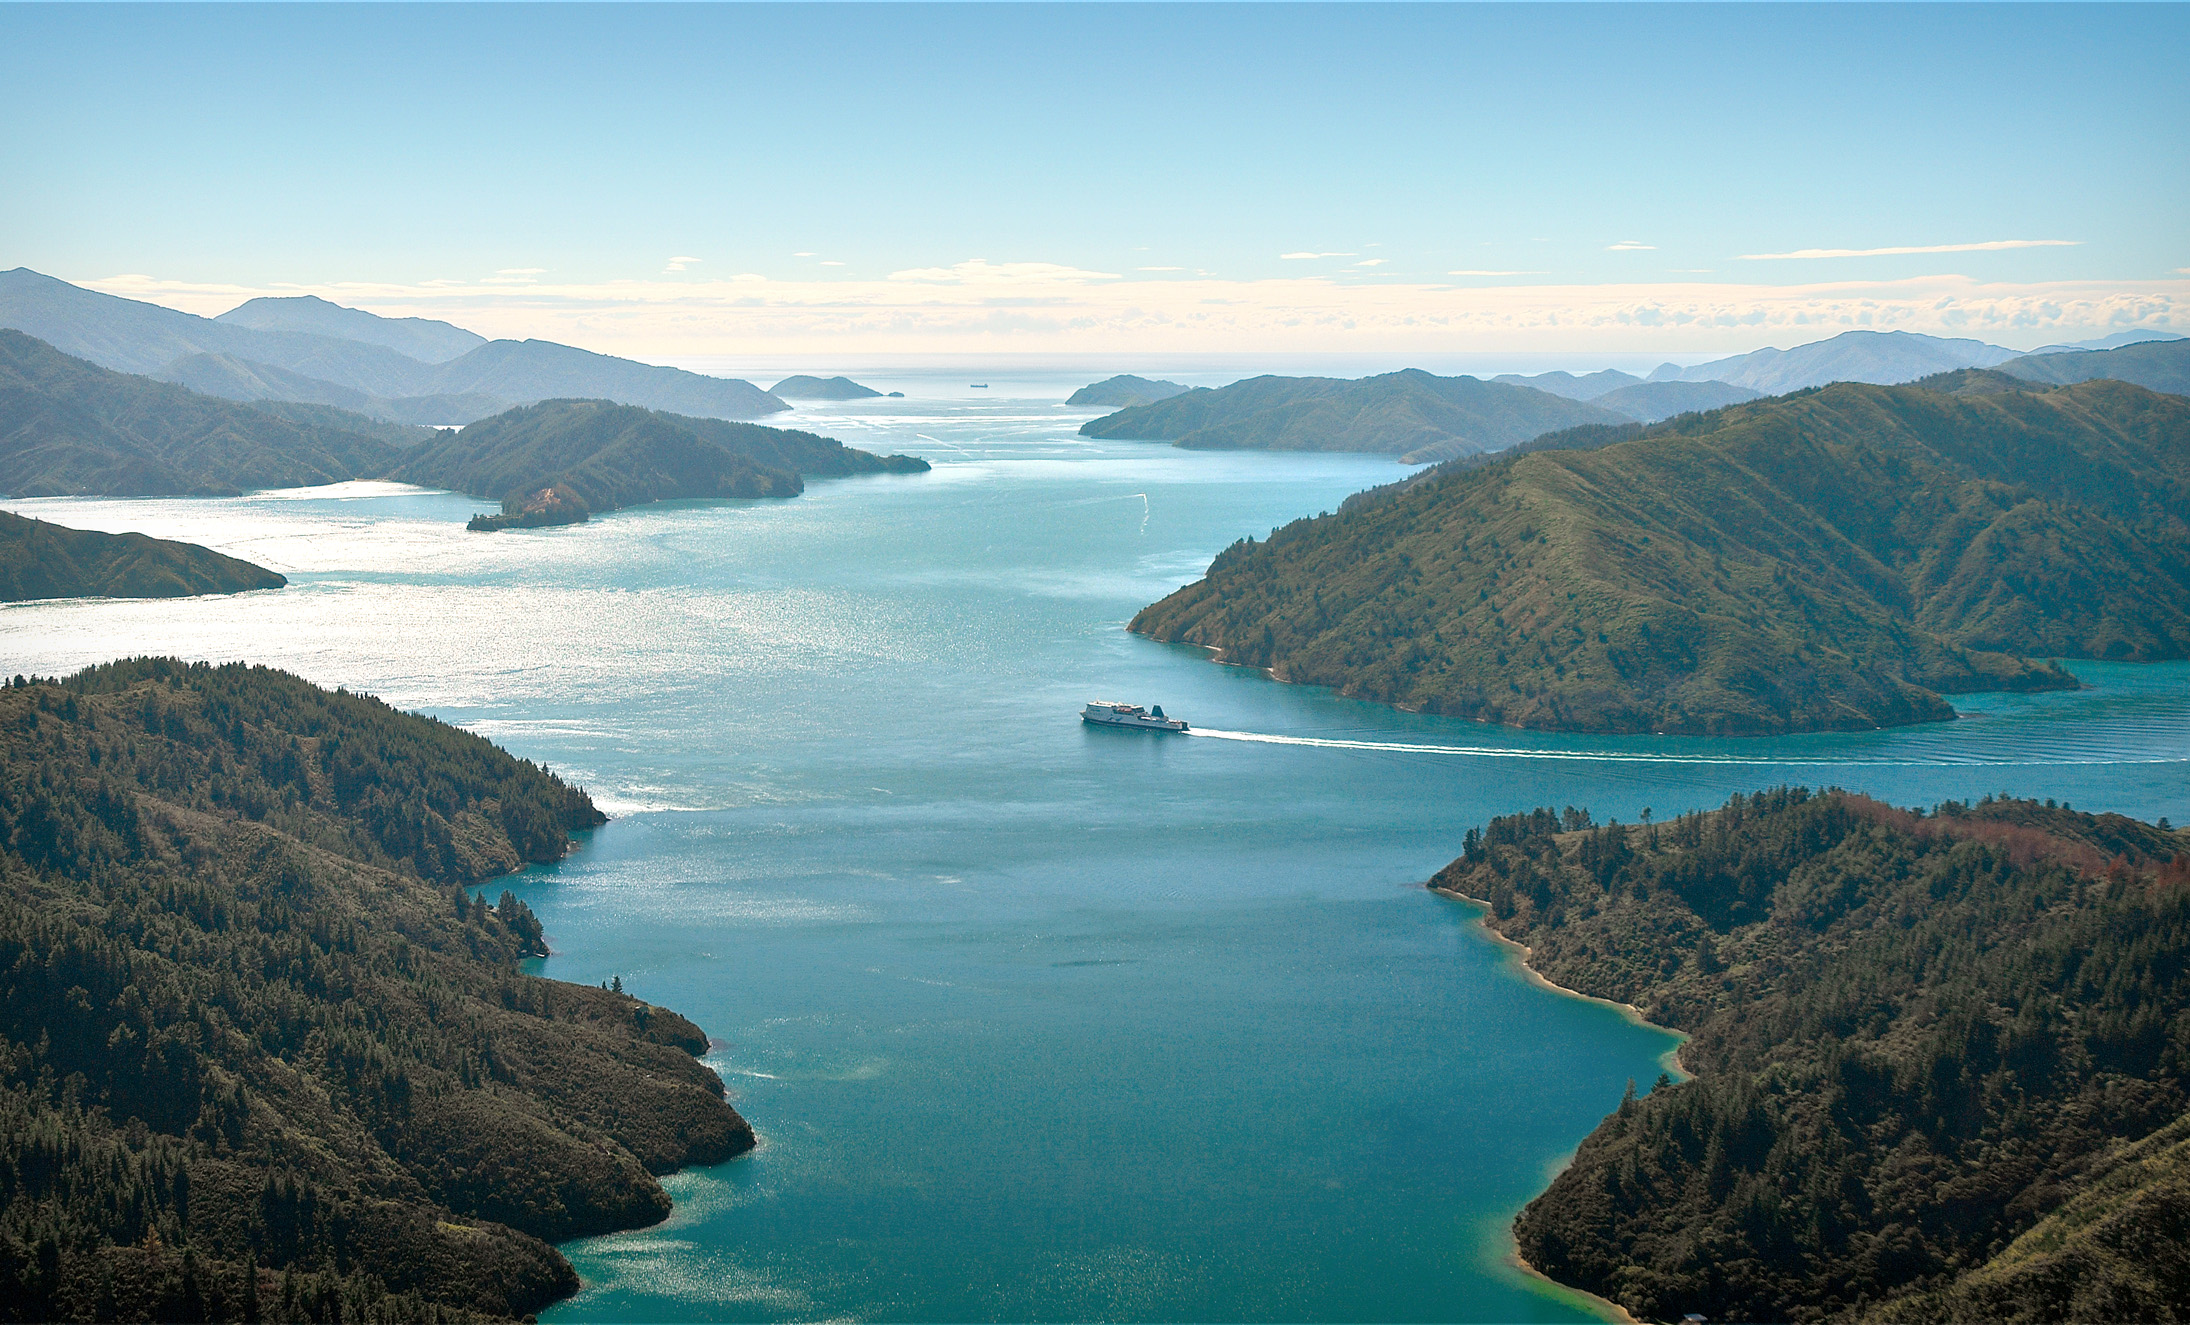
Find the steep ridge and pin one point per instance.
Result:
(2160, 365)
(1414, 415)
(137, 337)
(39, 559)
(423, 339)
(1942, 1061)
(262, 1054)
(1837, 559)
(71, 427)
(612, 456)
(1881, 357)
(231, 378)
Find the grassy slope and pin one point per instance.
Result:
(43, 560)
(1941, 1061)
(1836, 559)
(249, 1016)
(70, 427)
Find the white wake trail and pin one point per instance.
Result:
(1626, 757)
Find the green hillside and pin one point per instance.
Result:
(1412, 414)
(252, 1016)
(613, 456)
(2161, 365)
(1942, 1062)
(39, 559)
(1836, 559)
(69, 427)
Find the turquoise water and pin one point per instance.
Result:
(1035, 1021)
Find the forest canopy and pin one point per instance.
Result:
(264, 1053)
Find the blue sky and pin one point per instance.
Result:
(512, 161)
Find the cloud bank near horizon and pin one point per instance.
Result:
(975, 306)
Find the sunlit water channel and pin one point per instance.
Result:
(1036, 1021)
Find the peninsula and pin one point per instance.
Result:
(267, 1055)
(1837, 559)
(39, 559)
(608, 456)
(1937, 1057)
(1413, 415)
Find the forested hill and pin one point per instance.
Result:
(620, 455)
(1414, 415)
(1836, 559)
(39, 559)
(71, 427)
(262, 1056)
(1942, 1061)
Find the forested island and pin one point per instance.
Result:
(608, 456)
(1840, 558)
(1414, 415)
(39, 559)
(1942, 1061)
(264, 1055)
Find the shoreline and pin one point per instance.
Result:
(1670, 1060)
(1612, 1310)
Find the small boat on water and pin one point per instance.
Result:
(1104, 713)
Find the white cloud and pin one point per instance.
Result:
(980, 271)
(679, 264)
(1989, 246)
(1630, 246)
(1474, 271)
(985, 308)
(1299, 257)
(516, 275)
(1370, 262)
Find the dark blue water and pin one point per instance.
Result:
(1035, 1021)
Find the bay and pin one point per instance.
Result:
(1035, 1021)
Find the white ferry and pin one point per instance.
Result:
(1106, 714)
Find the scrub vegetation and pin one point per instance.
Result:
(1942, 1061)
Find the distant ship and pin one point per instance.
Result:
(980, 386)
(1106, 714)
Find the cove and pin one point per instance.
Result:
(1036, 1021)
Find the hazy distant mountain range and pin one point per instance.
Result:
(1629, 395)
(2161, 365)
(1124, 390)
(313, 351)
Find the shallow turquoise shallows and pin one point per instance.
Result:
(1036, 1021)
